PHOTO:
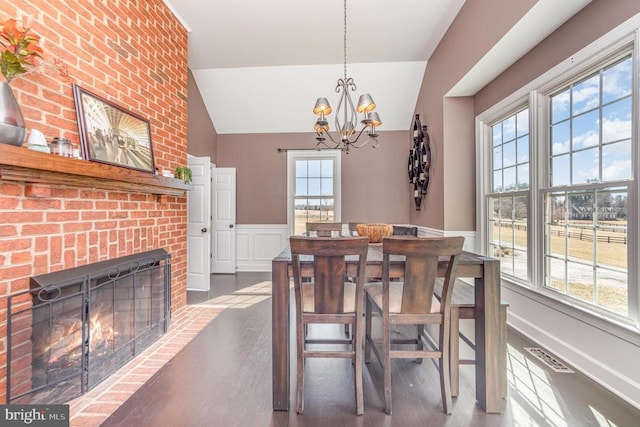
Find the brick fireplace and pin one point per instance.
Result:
(74, 328)
(134, 54)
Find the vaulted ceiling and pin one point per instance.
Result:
(260, 65)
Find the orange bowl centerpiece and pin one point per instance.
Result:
(376, 232)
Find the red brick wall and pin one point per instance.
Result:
(133, 53)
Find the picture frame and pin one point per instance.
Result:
(111, 134)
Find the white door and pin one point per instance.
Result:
(224, 220)
(199, 225)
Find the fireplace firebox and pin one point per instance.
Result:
(76, 327)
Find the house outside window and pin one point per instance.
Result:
(313, 188)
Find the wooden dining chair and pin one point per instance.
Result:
(329, 299)
(412, 302)
(324, 229)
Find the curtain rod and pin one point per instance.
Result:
(284, 150)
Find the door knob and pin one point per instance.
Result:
(230, 225)
(204, 230)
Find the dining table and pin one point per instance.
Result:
(489, 343)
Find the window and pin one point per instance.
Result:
(585, 204)
(314, 188)
(556, 204)
(508, 201)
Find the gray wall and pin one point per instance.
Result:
(375, 184)
(480, 24)
(201, 134)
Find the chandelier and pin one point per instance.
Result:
(346, 114)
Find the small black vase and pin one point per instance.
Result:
(12, 130)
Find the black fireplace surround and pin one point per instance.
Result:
(76, 327)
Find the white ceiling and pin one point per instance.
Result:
(260, 65)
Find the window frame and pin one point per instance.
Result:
(599, 54)
(292, 157)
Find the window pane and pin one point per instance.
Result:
(612, 290)
(555, 229)
(580, 279)
(523, 149)
(556, 274)
(313, 210)
(580, 241)
(328, 213)
(314, 186)
(497, 157)
(560, 106)
(327, 187)
(301, 187)
(497, 181)
(616, 161)
(560, 169)
(314, 168)
(585, 131)
(509, 129)
(327, 168)
(497, 134)
(611, 229)
(560, 138)
(522, 122)
(520, 215)
(509, 179)
(586, 94)
(301, 168)
(301, 217)
(585, 166)
(616, 121)
(520, 264)
(509, 154)
(616, 81)
(523, 176)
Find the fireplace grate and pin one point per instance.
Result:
(76, 327)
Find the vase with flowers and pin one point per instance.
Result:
(20, 51)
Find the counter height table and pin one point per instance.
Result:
(486, 274)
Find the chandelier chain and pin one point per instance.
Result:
(346, 113)
(345, 40)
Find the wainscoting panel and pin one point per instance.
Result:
(469, 236)
(258, 244)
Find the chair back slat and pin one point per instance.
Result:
(329, 268)
(329, 273)
(421, 269)
(419, 281)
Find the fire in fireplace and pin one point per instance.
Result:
(76, 327)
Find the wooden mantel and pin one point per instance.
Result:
(24, 165)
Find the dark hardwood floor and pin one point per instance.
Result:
(223, 378)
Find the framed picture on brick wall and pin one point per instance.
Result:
(110, 134)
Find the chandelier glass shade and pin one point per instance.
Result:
(346, 118)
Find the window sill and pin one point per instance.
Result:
(623, 331)
(24, 165)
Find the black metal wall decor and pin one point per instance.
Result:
(419, 161)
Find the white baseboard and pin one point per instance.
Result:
(579, 344)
